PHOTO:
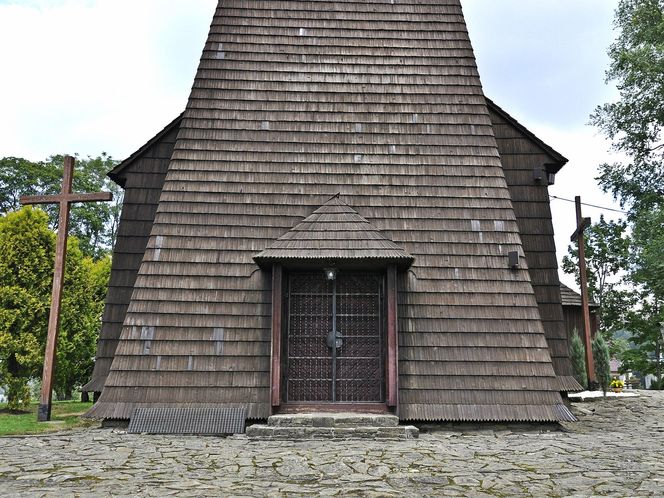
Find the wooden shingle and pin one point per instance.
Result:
(293, 103)
(334, 231)
(523, 155)
(141, 197)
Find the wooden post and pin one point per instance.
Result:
(65, 199)
(392, 374)
(275, 369)
(578, 235)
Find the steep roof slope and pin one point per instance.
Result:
(293, 102)
(142, 177)
(526, 161)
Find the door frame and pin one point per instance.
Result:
(277, 345)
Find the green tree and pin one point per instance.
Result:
(602, 362)
(647, 255)
(645, 329)
(647, 274)
(86, 282)
(95, 223)
(634, 123)
(26, 273)
(578, 357)
(27, 251)
(607, 250)
(22, 177)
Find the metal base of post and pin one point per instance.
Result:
(44, 413)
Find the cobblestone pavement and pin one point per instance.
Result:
(616, 449)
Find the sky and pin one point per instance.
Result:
(92, 76)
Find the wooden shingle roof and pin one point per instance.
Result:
(557, 160)
(334, 232)
(293, 102)
(117, 174)
(572, 298)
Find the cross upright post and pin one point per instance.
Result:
(578, 236)
(64, 199)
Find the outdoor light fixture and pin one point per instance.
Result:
(538, 173)
(513, 257)
(331, 273)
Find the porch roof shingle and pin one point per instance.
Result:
(334, 231)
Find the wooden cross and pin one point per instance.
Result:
(65, 199)
(578, 236)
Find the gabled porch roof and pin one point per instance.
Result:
(334, 231)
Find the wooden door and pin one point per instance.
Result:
(335, 344)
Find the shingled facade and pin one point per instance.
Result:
(330, 222)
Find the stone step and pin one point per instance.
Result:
(342, 419)
(262, 431)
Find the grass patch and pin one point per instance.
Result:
(64, 415)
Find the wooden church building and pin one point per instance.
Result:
(339, 220)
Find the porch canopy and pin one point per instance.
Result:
(334, 234)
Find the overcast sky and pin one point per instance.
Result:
(86, 76)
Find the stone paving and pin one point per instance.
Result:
(616, 449)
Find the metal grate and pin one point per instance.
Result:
(360, 359)
(200, 421)
(349, 308)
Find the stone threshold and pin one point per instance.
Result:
(302, 426)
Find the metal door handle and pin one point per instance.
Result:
(334, 340)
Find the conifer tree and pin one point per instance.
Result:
(602, 362)
(578, 357)
(27, 251)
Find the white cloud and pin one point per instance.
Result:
(544, 62)
(586, 150)
(89, 76)
(92, 76)
(543, 59)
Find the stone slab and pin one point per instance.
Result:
(333, 420)
(295, 432)
(615, 449)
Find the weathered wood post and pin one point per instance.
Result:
(578, 236)
(65, 199)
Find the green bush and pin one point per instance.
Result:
(657, 386)
(602, 365)
(18, 393)
(578, 356)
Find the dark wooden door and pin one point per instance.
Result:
(335, 345)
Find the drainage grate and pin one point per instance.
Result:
(203, 421)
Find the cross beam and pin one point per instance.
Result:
(583, 224)
(65, 199)
(578, 236)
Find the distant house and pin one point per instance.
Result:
(3, 398)
(339, 220)
(573, 312)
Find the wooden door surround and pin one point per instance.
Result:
(342, 341)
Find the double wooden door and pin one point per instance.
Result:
(335, 340)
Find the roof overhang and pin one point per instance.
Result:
(557, 159)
